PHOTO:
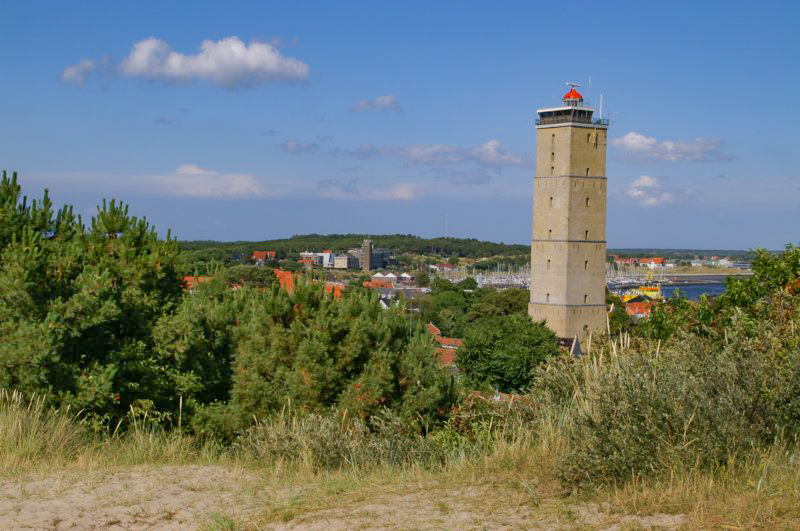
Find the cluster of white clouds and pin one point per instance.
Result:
(228, 62)
(388, 103)
(489, 154)
(187, 180)
(647, 192)
(640, 148)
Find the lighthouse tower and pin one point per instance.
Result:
(568, 249)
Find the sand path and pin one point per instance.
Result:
(216, 497)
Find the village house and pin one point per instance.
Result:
(262, 257)
(447, 348)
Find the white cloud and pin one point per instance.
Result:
(388, 102)
(296, 148)
(349, 189)
(640, 148)
(77, 74)
(433, 154)
(647, 192)
(336, 189)
(228, 62)
(189, 180)
(490, 154)
(399, 191)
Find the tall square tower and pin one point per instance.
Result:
(366, 255)
(568, 248)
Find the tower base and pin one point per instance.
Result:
(570, 321)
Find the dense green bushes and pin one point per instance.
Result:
(78, 305)
(97, 318)
(346, 354)
(703, 384)
(502, 352)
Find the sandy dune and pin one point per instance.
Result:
(192, 497)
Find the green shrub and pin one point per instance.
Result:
(698, 402)
(348, 354)
(502, 352)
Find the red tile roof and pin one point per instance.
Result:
(446, 356)
(191, 282)
(285, 278)
(263, 256)
(639, 308)
(336, 288)
(447, 346)
(449, 341)
(378, 283)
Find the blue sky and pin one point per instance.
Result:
(258, 120)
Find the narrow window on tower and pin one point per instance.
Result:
(585, 297)
(547, 298)
(548, 264)
(552, 170)
(549, 234)
(585, 265)
(551, 201)
(552, 157)
(586, 235)
(587, 201)
(588, 137)
(587, 172)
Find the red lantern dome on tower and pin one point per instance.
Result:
(573, 95)
(572, 98)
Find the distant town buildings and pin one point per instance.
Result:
(328, 259)
(658, 262)
(345, 261)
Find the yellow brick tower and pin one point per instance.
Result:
(568, 249)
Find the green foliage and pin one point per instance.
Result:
(456, 307)
(772, 273)
(251, 276)
(97, 318)
(502, 352)
(346, 354)
(702, 400)
(423, 279)
(489, 302)
(619, 321)
(78, 306)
